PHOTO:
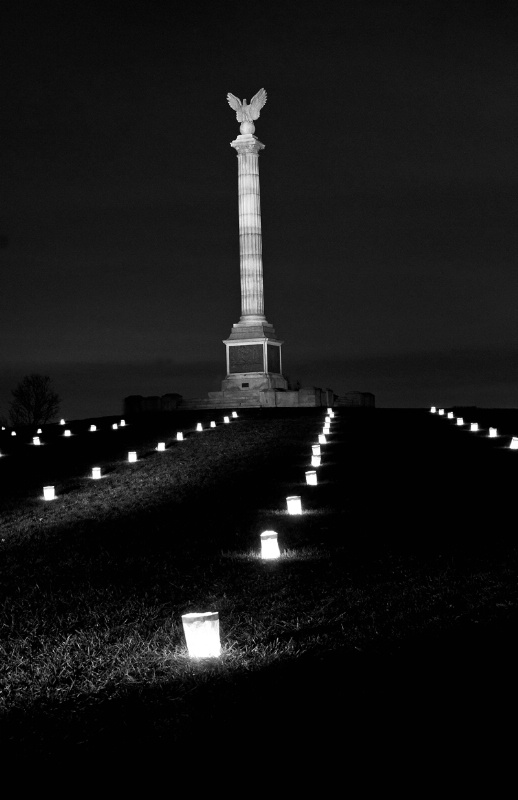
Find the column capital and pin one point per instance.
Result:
(247, 143)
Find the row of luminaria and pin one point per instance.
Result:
(473, 426)
(201, 629)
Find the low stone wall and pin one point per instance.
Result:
(356, 400)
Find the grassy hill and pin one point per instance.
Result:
(395, 597)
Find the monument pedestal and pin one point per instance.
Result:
(254, 358)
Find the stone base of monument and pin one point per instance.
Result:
(250, 381)
(309, 397)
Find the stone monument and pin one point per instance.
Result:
(254, 358)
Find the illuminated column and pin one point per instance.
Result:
(250, 241)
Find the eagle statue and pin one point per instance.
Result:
(247, 113)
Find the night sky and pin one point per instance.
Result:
(388, 193)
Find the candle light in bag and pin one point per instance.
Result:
(179, 436)
(96, 472)
(202, 634)
(49, 493)
(269, 545)
(311, 477)
(132, 456)
(160, 446)
(294, 505)
(315, 461)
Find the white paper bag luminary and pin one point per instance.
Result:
(450, 414)
(294, 505)
(160, 447)
(322, 438)
(315, 461)
(132, 456)
(234, 414)
(93, 428)
(311, 477)
(433, 410)
(199, 427)
(122, 423)
(493, 433)
(514, 443)
(474, 427)
(226, 420)
(441, 412)
(36, 440)
(62, 422)
(114, 426)
(67, 433)
(316, 449)
(96, 472)
(202, 634)
(460, 421)
(49, 493)
(269, 545)
(179, 436)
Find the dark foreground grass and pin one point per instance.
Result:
(395, 597)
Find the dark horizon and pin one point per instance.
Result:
(388, 197)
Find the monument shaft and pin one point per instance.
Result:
(250, 236)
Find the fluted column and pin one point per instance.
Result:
(250, 241)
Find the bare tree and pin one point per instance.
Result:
(35, 402)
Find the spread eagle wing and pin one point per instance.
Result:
(235, 103)
(257, 102)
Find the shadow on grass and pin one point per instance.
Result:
(456, 683)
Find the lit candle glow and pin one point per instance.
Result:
(199, 427)
(474, 427)
(202, 634)
(315, 461)
(514, 443)
(49, 493)
(460, 421)
(269, 545)
(322, 438)
(311, 477)
(316, 449)
(96, 472)
(160, 446)
(179, 436)
(36, 440)
(93, 427)
(226, 420)
(294, 505)
(493, 433)
(132, 456)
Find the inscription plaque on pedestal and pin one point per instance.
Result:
(246, 358)
(274, 358)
